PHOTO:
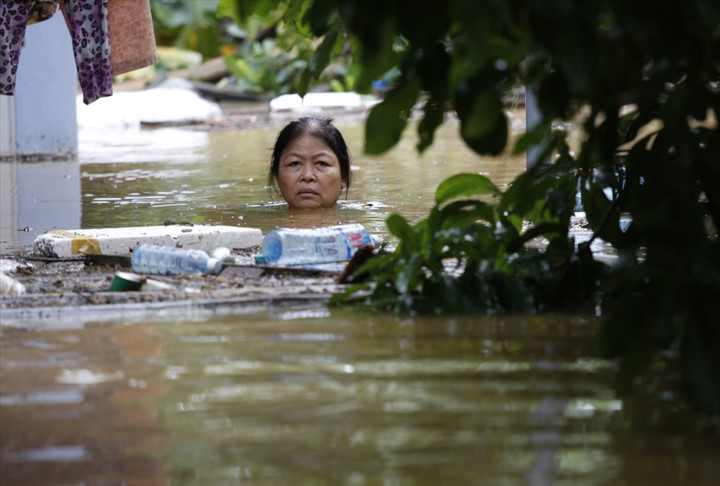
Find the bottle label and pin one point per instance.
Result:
(309, 246)
(342, 245)
(164, 260)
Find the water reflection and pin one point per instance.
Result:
(137, 145)
(36, 197)
(78, 408)
(323, 396)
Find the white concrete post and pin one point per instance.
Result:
(40, 122)
(7, 126)
(40, 119)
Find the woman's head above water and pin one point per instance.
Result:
(310, 163)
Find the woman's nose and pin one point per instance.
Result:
(308, 174)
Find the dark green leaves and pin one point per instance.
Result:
(484, 126)
(408, 277)
(433, 116)
(499, 272)
(320, 58)
(400, 228)
(464, 185)
(387, 120)
(241, 10)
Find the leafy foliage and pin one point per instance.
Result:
(187, 24)
(644, 86)
(471, 253)
(276, 50)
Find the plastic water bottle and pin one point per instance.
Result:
(168, 260)
(287, 246)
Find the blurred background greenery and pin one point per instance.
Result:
(262, 54)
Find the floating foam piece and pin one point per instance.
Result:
(167, 103)
(120, 241)
(317, 101)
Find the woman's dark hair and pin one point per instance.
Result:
(321, 128)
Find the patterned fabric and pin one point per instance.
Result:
(88, 24)
(14, 17)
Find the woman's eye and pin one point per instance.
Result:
(322, 163)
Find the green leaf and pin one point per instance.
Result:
(479, 120)
(386, 121)
(491, 142)
(464, 185)
(373, 53)
(484, 127)
(319, 60)
(229, 9)
(460, 214)
(398, 226)
(296, 15)
(543, 229)
(408, 277)
(240, 68)
(433, 116)
(318, 15)
(241, 10)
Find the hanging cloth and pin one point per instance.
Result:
(87, 21)
(90, 23)
(132, 38)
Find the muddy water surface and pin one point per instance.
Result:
(307, 395)
(220, 177)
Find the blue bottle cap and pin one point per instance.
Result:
(272, 250)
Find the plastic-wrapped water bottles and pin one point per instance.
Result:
(168, 260)
(286, 246)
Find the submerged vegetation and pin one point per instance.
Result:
(644, 87)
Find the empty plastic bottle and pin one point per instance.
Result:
(168, 260)
(287, 246)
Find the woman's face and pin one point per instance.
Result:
(309, 174)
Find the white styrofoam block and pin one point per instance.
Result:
(154, 105)
(314, 101)
(120, 241)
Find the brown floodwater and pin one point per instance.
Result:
(311, 395)
(220, 177)
(308, 395)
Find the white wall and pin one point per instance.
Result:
(40, 119)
